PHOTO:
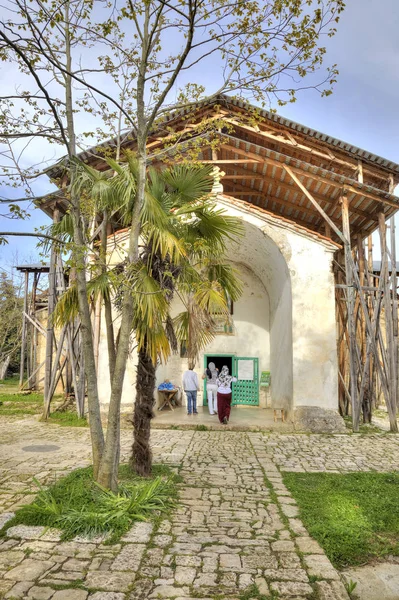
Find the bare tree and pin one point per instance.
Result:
(261, 50)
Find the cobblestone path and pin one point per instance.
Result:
(236, 524)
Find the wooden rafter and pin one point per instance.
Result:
(247, 174)
(294, 220)
(303, 172)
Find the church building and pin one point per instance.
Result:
(294, 189)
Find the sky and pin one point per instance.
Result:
(363, 110)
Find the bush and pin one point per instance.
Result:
(78, 506)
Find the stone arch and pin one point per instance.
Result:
(260, 253)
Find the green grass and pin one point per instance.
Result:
(67, 419)
(364, 427)
(252, 593)
(78, 506)
(19, 403)
(201, 427)
(354, 517)
(10, 381)
(16, 403)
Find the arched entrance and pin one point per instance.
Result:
(258, 252)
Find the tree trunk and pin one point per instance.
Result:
(109, 464)
(96, 430)
(141, 459)
(4, 366)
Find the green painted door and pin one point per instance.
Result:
(246, 388)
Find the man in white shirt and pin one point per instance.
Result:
(191, 387)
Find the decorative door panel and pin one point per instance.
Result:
(246, 388)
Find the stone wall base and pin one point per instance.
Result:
(314, 419)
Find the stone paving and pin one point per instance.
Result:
(236, 523)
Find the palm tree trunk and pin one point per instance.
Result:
(141, 459)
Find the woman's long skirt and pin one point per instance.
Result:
(224, 406)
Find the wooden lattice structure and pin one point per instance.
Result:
(330, 188)
(31, 326)
(63, 360)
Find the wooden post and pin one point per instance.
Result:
(390, 357)
(24, 331)
(97, 329)
(394, 281)
(350, 304)
(327, 230)
(365, 399)
(360, 171)
(50, 329)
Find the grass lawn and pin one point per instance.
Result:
(354, 517)
(78, 506)
(67, 419)
(13, 402)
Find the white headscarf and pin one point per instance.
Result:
(212, 369)
(224, 378)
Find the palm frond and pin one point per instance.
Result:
(210, 297)
(100, 285)
(150, 298)
(67, 307)
(227, 276)
(195, 327)
(63, 230)
(216, 227)
(189, 182)
(165, 243)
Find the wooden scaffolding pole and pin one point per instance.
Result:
(24, 331)
(350, 294)
(394, 281)
(50, 328)
(389, 355)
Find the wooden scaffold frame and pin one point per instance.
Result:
(63, 350)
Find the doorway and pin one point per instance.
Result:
(246, 369)
(220, 361)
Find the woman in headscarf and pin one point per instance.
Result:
(210, 374)
(224, 394)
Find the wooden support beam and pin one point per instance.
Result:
(35, 324)
(350, 313)
(246, 175)
(50, 327)
(394, 280)
(288, 140)
(32, 375)
(24, 331)
(315, 204)
(302, 172)
(295, 220)
(270, 198)
(390, 354)
(232, 161)
(360, 171)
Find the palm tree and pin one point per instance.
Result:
(184, 241)
(182, 252)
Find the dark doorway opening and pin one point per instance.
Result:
(220, 361)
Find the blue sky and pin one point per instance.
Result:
(363, 109)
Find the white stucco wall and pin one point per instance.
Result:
(307, 361)
(286, 316)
